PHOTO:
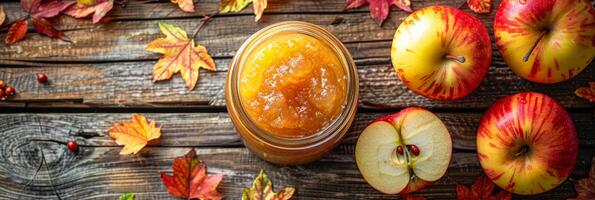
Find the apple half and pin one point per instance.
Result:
(404, 152)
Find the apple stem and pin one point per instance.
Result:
(524, 149)
(460, 59)
(526, 57)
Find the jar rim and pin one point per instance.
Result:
(342, 121)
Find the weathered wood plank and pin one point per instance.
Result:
(211, 129)
(100, 173)
(125, 39)
(160, 9)
(129, 84)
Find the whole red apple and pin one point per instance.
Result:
(546, 41)
(403, 152)
(441, 52)
(527, 143)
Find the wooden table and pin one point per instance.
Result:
(105, 75)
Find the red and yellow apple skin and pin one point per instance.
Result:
(566, 47)
(527, 143)
(392, 173)
(441, 52)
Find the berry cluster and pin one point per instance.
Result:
(5, 91)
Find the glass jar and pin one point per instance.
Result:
(277, 148)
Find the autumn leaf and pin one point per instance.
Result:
(237, 5)
(586, 186)
(587, 92)
(190, 179)
(262, 188)
(480, 6)
(481, 189)
(185, 5)
(379, 8)
(16, 32)
(180, 54)
(51, 8)
(44, 27)
(2, 15)
(84, 8)
(134, 134)
(127, 196)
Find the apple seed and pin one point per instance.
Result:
(414, 150)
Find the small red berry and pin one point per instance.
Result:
(9, 91)
(400, 150)
(1, 93)
(72, 146)
(414, 150)
(42, 78)
(2, 84)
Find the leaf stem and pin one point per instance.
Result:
(202, 22)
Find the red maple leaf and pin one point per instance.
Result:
(38, 12)
(190, 179)
(585, 188)
(84, 8)
(481, 189)
(480, 6)
(379, 8)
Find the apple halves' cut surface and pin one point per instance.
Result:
(404, 152)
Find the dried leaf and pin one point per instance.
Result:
(480, 6)
(237, 5)
(16, 32)
(44, 27)
(127, 196)
(185, 5)
(233, 5)
(587, 92)
(586, 186)
(180, 53)
(2, 15)
(134, 134)
(190, 179)
(84, 8)
(262, 188)
(379, 8)
(30, 5)
(481, 189)
(51, 9)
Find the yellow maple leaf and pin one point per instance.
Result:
(185, 5)
(180, 54)
(134, 134)
(237, 5)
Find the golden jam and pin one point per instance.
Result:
(292, 85)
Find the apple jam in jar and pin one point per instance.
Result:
(292, 92)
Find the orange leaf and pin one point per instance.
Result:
(84, 8)
(16, 32)
(586, 186)
(587, 92)
(185, 5)
(190, 179)
(134, 134)
(2, 15)
(481, 189)
(180, 53)
(259, 6)
(480, 6)
(379, 8)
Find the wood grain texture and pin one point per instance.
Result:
(212, 129)
(129, 84)
(100, 173)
